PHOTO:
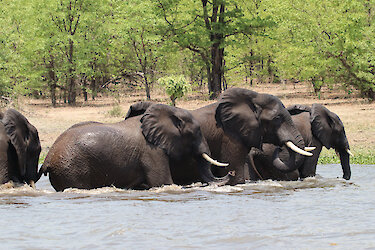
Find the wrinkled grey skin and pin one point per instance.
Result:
(240, 120)
(19, 148)
(319, 127)
(136, 153)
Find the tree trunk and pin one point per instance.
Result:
(71, 79)
(370, 94)
(53, 94)
(84, 89)
(65, 96)
(147, 87)
(93, 88)
(71, 91)
(52, 80)
(209, 77)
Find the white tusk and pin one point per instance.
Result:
(32, 184)
(309, 148)
(209, 159)
(350, 153)
(297, 149)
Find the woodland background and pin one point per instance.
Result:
(63, 50)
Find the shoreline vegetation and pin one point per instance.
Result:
(356, 113)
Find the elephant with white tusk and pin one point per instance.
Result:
(242, 119)
(319, 127)
(137, 153)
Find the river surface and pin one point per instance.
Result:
(324, 212)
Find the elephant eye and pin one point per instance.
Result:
(277, 118)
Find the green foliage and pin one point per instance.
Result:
(321, 41)
(361, 156)
(175, 87)
(328, 39)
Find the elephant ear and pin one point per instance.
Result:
(138, 108)
(162, 127)
(297, 109)
(18, 130)
(325, 124)
(238, 115)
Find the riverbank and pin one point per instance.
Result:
(357, 114)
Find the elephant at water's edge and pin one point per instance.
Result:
(19, 149)
(137, 153)
(242, 119)
(319, 127)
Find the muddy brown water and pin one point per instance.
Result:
(324, 212)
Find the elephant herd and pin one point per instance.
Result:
(244, 135)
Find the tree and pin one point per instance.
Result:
(204, 28)
(71, 39)
(175, 87)
(328, 41)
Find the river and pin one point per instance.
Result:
(324, 212)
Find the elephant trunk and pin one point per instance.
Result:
(204, 162)
(206, 173)
(345, 163)
(31, 175)
(294, 143)
(280, 165)
(296, 156)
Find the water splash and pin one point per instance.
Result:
(18, 189)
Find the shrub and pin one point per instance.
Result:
(175, 87)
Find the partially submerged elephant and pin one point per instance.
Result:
(319, 127)
(242, 119)
(139, 152)
(19, 149)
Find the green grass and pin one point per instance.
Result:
(361, 156)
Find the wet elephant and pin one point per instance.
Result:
(19, 148)
(136, 153)
(240, 120)
(319, 127)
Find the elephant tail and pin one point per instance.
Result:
(43, 170)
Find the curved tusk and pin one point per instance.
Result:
(209, 159)
(308, 149)
(297, 149)
(32, 184)
(350, 153)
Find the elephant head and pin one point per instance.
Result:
(327, 127)
(24, 140)
(138, 108)
(179, 135)
(254, 118)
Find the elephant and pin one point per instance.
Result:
(136, 153)
(240, 120)
(319, 127)
(19, 149)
